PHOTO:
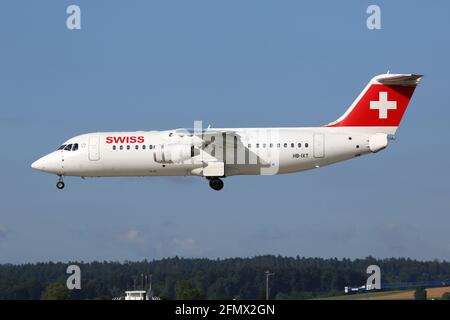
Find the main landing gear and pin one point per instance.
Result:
(60, 184)
(215, 183)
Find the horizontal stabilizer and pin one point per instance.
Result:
(399, 79)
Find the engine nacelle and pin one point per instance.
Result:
(378, 142)
(174, 153)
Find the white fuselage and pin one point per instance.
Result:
(247, 151)
(213, 153)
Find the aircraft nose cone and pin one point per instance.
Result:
(38, 164)
(50, 163)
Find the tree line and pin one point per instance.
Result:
(233, 278)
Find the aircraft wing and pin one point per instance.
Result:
(209, 136)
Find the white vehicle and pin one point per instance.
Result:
(215, 153)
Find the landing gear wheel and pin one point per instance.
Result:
(60, 185)
(216, 183)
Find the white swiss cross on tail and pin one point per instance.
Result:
(383, 105)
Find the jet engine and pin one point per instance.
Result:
(175, 153)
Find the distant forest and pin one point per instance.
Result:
(236, 278)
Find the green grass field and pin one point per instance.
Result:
(432, 293)
(362, 296)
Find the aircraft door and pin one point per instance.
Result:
(319, 146)
(94, 148)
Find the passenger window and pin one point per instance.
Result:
(137, 147)
(75, 147)
(128, 147)
(278, 145)
(143, 147)
(299, 145)
(285, 145)
(249, 145)
(114, 147)
(68, 148)
(257, 145)
(306, 145)
(271, 145)
(292, 145)
(150, 147)
(264, 145)
(121, 147)
(62, 147)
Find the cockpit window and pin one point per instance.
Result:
(69, 147)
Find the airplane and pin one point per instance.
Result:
(215, 153)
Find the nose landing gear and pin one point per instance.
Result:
(60, 184)
(216, 183)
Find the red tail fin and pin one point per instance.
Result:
(381, 104)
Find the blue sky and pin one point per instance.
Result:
(155, 65)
